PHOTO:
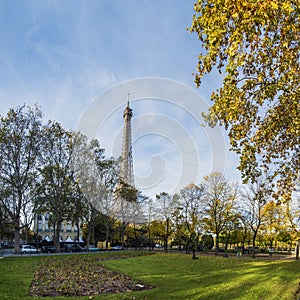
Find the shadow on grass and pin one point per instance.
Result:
(174, 276)
(178, 277)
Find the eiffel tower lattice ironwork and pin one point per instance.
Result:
(127, 175)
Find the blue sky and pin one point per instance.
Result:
(79, 59)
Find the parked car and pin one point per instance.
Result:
(8, 245)
(92, 248)
(48, 249)
(27, 249)
(116, 248)
(73, 248)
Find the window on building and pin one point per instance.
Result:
(69, 227)
(40, 226)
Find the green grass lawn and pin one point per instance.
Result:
(173, 276)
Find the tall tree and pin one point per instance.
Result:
(231, 231)
(166, 206)
(86, 173)
(6, 225)
(218, 203)
(275, 221)
(149, 211)
(97, 178)
(109, 176)
(20, 139)
(256, 196)
(293, 214)
(138, 219)
(57, 190)
(126, 197)
(256, 45)
(245, 230)
(189, 206)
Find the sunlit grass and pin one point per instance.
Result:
(180, 277)
(176, 276)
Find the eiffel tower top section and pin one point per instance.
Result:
(127, 114)
(127, 175)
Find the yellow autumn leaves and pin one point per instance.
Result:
(256, 45)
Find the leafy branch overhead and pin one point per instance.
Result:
(255, 45)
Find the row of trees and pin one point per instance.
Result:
(190, 218)
(45, 168)
(234, 215)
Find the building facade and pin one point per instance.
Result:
(43, 228)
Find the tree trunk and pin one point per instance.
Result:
(166, 244)
(26, 228)
(93, 234)
(187, 247)
(217, 244)
(88, 236)
(194, 253)
(149, 239)
(167, 236)
(56, 236)
(106, 233)
(226, 243)
(17, 238)
(253, 244)
(123, 234)
(106, 236)
(297, 250)
(243, 245)
(135, 237)
(78, 231)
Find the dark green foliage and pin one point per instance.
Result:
(207, 241)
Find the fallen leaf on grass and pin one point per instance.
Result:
(80, 276)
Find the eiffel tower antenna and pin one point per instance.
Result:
(127, 175)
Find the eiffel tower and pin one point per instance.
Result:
(126, 172)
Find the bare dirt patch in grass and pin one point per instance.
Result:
(78, 275)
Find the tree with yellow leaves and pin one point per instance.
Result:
(255, 44)
(275, 222)
(218, 204)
